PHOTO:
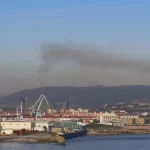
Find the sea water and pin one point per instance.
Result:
(118, 142)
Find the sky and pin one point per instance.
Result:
(116, 27)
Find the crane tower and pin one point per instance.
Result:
(40, 106)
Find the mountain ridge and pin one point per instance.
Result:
(86, 97)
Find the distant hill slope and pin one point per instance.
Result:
(93, 96)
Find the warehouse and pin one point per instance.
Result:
(16, 125)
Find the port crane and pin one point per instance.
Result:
(40, 106)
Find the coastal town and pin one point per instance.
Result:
(41, 118)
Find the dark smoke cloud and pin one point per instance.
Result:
(52, 54)
(89, 66)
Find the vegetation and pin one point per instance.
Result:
(99, 127)
(95, 121)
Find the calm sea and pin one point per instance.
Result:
(125, 142)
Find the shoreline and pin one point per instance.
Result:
(60, 140)
(34, 139)
(102, 130)
(116, 133)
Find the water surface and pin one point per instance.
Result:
(120, 142)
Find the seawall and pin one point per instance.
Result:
(33, 139)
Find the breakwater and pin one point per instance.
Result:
(30, 139)
(97, 129)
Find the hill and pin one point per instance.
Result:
(93, 96)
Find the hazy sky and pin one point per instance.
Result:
(117, 27)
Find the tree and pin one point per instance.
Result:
(95, 121)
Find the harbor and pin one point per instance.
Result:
(19, 129)
(23, 131)
(45, 122)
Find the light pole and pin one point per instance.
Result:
(22, 107)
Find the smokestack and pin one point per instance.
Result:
(17, 112)
(26, 107)
(21, 108)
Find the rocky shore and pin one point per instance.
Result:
(99, 130)
(116, 133)
(33, 139)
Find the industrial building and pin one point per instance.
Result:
(16, 125)
(8, 127)
(66, 125)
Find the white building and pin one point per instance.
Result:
(118, 111)
(50, 111)
(41, 125)
(62, 119)
(117, 122)
(107, 117)
(129, 116)
(72, 111)
(7, 131)
(86, 110)
(145, 114)
(15, 125)
(82, 110)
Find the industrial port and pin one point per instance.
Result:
(59, 121)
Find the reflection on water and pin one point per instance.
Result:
(125, 142)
